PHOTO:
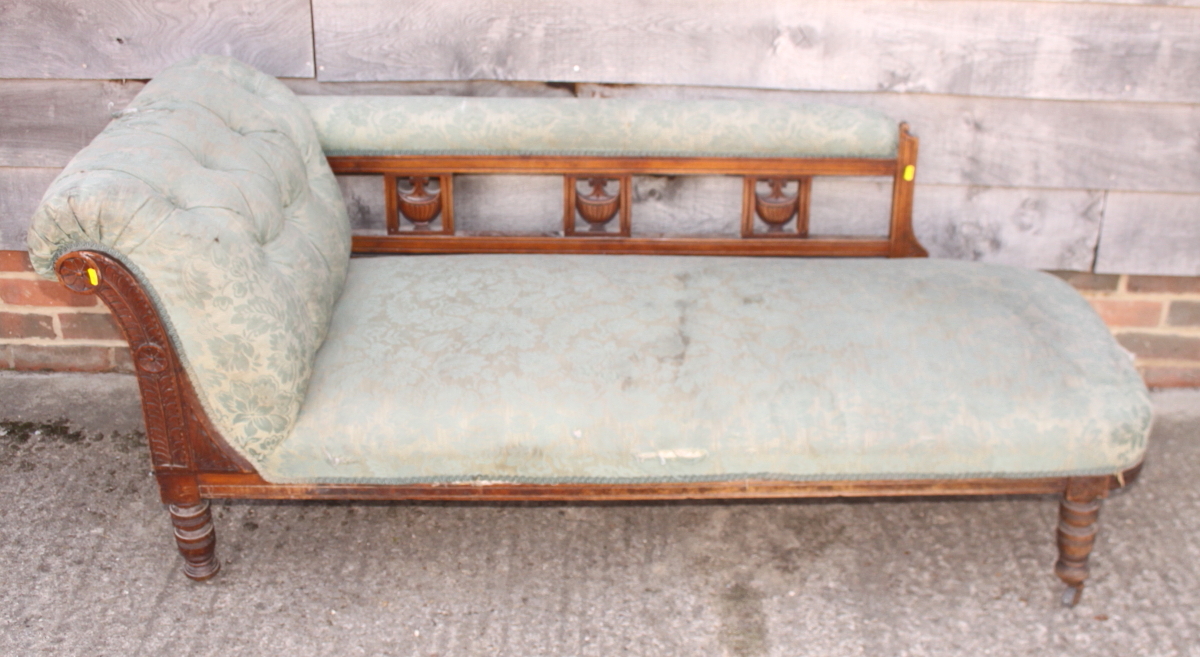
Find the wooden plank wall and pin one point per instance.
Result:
(124, 39)
(962, 47)
(1054, 134)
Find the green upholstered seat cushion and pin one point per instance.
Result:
(398, 125)
(652, 368)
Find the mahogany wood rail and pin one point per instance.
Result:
(411, 213)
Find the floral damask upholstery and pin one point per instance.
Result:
(432, 125)
(552, 368)
(213, 187)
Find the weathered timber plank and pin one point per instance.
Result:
(121, 39)
(695, 205)
(491, 88)
(1156, 234)
(1035, 228)
(364, 202)
(44, 123)
(20, 192)
(1003, 48)
(509, 204)
(858, 207)
(1170, 3)
(1001, 142)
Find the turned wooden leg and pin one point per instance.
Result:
(197, 540)
(1077, 515)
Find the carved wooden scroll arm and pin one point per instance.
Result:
(183, 442)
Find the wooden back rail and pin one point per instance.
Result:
(428, 198)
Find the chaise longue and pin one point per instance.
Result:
(595, 363)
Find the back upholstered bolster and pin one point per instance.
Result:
(211, 186)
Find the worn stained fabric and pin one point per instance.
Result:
(651, 368)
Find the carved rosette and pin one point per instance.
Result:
(151, 358)
(79, 273)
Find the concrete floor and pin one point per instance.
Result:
(89, 567)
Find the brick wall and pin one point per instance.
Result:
(1155, 317)
(44, 326)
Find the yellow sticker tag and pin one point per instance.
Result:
(910, 172)
(93, 277)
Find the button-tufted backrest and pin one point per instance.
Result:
(213, 186)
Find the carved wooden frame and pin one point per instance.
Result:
(183, 441)
(193, 463)
(900, 242)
